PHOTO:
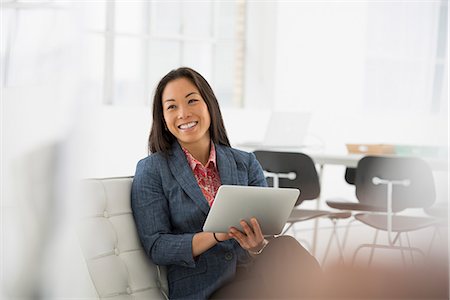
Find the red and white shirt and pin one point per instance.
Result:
(207, 176)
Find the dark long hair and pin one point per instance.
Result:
(160, 139)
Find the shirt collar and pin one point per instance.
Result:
(194, 162)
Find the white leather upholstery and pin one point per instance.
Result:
(117, 263)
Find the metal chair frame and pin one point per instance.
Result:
(394, 237)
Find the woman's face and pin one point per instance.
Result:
(185, 112)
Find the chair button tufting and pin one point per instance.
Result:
(105, 214)
(128, 290)
(116, 251)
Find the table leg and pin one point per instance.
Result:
(316, 220)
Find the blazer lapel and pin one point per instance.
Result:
(226, 165)
(183, 174)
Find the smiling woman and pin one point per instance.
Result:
(174, 187)
(180, 93)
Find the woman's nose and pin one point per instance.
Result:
(184, 112)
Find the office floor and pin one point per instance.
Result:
(389, 275)
(359, 234)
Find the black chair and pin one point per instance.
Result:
(390, 185)
(346, 205)
(350, 175)
(297, 170)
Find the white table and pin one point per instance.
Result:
(351, 160)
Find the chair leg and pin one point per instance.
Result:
(334, 235)
(304, 242)
(315, 233)
(355, 254)
(372, 251)
(417, 250)
(433, 237)
(347, 230)
(398, 237)
(287, 228)
(330, 240)
(340, 249)
(409, 245)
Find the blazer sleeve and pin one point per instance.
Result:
(152, 217)
(255, 173)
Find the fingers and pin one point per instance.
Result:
(250, 236)
(256, 228)
(247, 230)
(239, 237)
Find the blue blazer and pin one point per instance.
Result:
(169, 208)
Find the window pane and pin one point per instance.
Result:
(198, 55)
(94, 64)
(224, 70)
(197, 17)
(401, 29)
(164, 56)
(128, 71)
(397, 86)
(130, 16)
(166, 18)
(6, 38)
(42, 46)
(226, 19)
(94, 13)
(401, 49)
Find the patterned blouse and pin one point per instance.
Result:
(207, 176)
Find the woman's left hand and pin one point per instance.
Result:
(251, 239)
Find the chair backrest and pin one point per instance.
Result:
(350, 175)
(306, 180)
(116, 261)
(420, 193)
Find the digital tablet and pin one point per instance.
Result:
(233, 203)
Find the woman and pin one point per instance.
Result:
(174, 187)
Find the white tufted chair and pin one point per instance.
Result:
(116, 261)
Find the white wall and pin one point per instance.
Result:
(320, 59)
(300, 55)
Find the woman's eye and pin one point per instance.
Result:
(192, 101)
(170, 107)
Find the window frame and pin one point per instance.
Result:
(110, 34)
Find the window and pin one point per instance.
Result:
(133, 44)
(406, 59)
(37, 42)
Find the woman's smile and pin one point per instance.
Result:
(188, 126)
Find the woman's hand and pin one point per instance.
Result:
(222, 236)
(251, 239)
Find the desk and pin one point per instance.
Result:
(347, 160)
(351, 160)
